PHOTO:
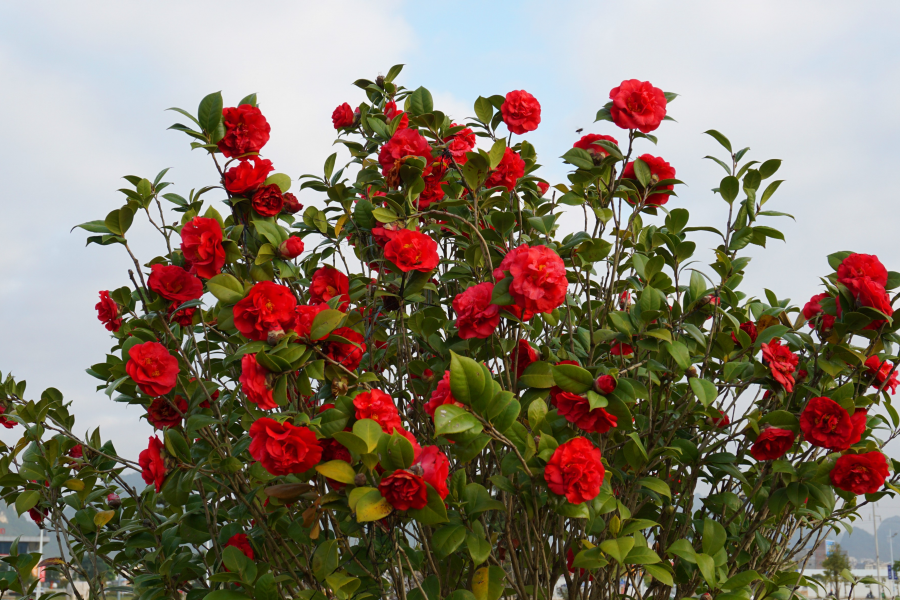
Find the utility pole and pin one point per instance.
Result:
(877, 559)
(893, 581)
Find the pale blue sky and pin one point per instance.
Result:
(86, 84)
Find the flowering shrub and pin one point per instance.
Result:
(418, 389)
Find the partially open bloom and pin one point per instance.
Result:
(659, 170)
(153, 468)
(267, 307)
(291, 247)
(255, 384)
(476, 317)
(342, 116)
(163, 413)
(782, 363)
(436, 469)
(637, 105)
(813, 312)
(772, 443)
(282, 448)
(575, 471)
(879, 370)
(108, 312)
(248, 175)
(392, 112)
(403, 490)
(152, 368)
(748, 327)
(267, 200)
(521, 112)
(327, 283)
(459, 143)
(201, 244)
(598, 152)
(577, 410)
(246, 130)
(860, 473)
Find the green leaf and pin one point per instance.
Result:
(209, 114)
(27, 500)
(781, 419)
(226, 288)
(618, 549)
(421, 102)
(281, 180)
(487, 583)
(704, 389)
(721, 139)
(468, 383)
(351, 441)
(449, 419)
(119, 221)
(225, 595)
(642, 171)
(479, 548)
(432, 513)
(484, 110)
(642, 555)
(714, 537)
(572, 378)
(707, 567)
(538, 375)
(741, 580)
(324, 323)
(684, 550)
(479, 500)
(369, 432)
(497, 152)
(338, 470)
(657, 485)
(679, 352)
(447, 539)
(372, 507)
(661, 573)
(729, 188)
(384, 215)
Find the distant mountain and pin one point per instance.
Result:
(861, 543)
(12, 524)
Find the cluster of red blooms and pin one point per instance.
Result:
(534, 277)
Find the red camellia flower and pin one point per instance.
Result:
(476, 317)
(385, 232)
(201, 244)
(268, 200)
(348, 355)
(748, 327)
(621, 349)
(152, 368)
(6, 421)
(441, 395)
(268, 307)
(254, 383)
(247, 177)
(575, 471)
(538, 278)
(523, 355)
(282, 448)
(403, 490)
(328, 282)
(291, 247)
(162, 413)
(291, 204)
(587, 144)
(77, 451)
(860, 473)
(184, 317)
(576, 409)
(813, 309)
(392, 112)
(434, 184)
(880, 370)
(723, 421)
(412, 251)
(305, 317)
(436, 469)
(543, 186)
(659, 170)
(459, 143)
(153, 468)
(521, 112)
(772, 443)
(782, 363)
(826, 424)
(342, 116)
(379, 407)
(242, 543)
(404, 142)
(508, 172)
(246, 130)
(637, 105)
(108, 312)
(174, 283)
(865, 277)
(605, 384)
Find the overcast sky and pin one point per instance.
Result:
(86, 86)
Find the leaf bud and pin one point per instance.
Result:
(417, 470)
(360, 479)
(275, 336)
(114, 501)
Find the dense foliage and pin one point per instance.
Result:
(416, 388)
